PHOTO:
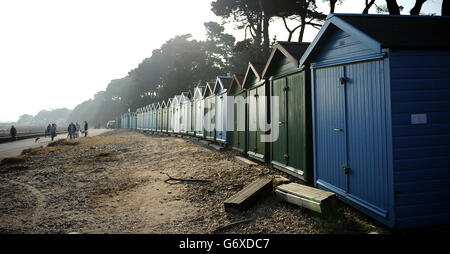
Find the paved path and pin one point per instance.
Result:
(15, 148)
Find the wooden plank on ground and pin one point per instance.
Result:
(312, 198)
(246, 161)
(204, 142)
(247, 196)
(217, 147)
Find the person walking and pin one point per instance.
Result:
(53, 131)
(71, 130)
(77, 130)
(47, 131)
(13, 133)
(85, 128)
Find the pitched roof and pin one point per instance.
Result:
(184, 97)
(235, 81)
(388, 31)
(292, 50)
(198, 91)
(253, 69)
(176, 99)
(403, 31)
(222, 83)
(169, 102)
(209, 89)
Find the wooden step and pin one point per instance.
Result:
(246, 161)
(312, 198)
(204, 142)
(217, 147)
(247, 196)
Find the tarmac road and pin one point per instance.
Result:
(15, 148)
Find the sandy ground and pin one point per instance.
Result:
(116, 183)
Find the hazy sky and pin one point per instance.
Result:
(59, 53)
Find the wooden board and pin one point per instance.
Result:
(246, 161)
(217, 147)
(204, 142)
(247, 196)
(314, 199)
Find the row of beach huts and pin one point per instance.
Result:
(362, 111)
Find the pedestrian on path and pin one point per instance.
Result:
(13, 133)
(53, 131)
(77, 130)
(47, 131)
(85, 128)
(71, 129)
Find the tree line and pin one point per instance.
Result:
(183, 62)
(44, 117)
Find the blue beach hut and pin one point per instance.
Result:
(381, 115)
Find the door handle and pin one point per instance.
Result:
(280, 123)
(338, 130)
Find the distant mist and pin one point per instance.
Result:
(44, 117)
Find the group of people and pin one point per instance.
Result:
(74, 130)
(51, 130)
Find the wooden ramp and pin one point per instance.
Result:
(247, 196)
(312, 198)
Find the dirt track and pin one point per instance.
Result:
(115, 183)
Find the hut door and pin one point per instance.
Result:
(261, 109)
(330, 128)
(239, 121)
(219, 117)
(350, 133)
(193, 112)
(213, 117)
(366, 135)
(252, 121)
(235, 127)
(279, 146)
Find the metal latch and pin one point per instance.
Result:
(346, 170)
(280, 123)
(338, 130)
(343, 80)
